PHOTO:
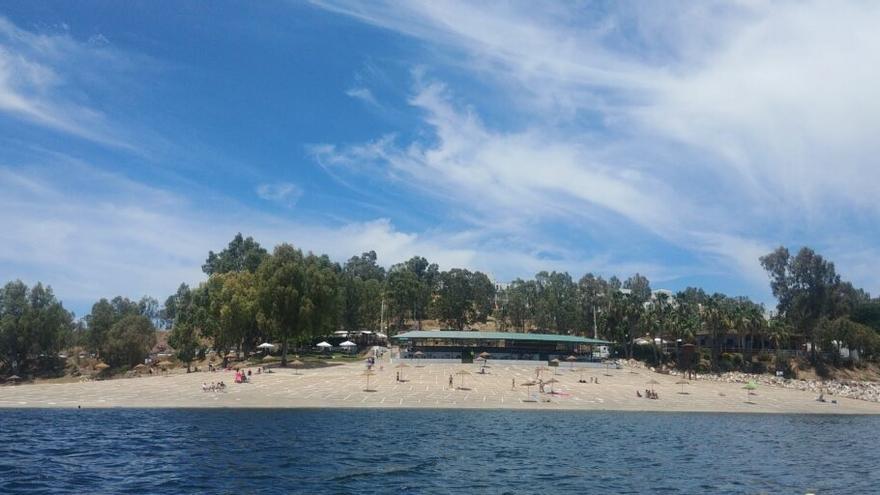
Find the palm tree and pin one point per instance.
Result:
(778, 331)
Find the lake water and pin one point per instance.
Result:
(433, 451)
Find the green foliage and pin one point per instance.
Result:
(410, 286)
(129, 340)
(32, 322)
(464, 297)
(297, 296)
(240, 255)
(361, 293)
(808, 289)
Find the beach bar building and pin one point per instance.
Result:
(454, 344)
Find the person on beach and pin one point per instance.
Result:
(513, 384)
(450, 381)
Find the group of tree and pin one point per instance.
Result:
(292, 297)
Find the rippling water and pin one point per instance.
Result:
(431, 451)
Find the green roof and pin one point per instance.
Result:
(529, 337)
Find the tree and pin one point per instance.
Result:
(361, 292)
(592, 292)
(518, 303)
(182, 316)
(410, 287)
(804, 286)
(130, 340)
(297, 296)
(106, 313)
(32, 323)
(556, 306)
(240, 255)
(464, 297)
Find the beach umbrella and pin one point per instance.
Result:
(571, 359)
(101, 366)
(539, 370)
(551, 382)
(296, 363)
(368, 374)
(749, 388)
(528, 386)
(418, 354)
(652, 382)
(270, 359)
(462, 374)
(13, 378)
(555, 363)
(402, 366)
(682, 383)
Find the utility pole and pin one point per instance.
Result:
(595, 324)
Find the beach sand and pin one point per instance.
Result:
(342, 386)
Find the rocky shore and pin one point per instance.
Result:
(862, 390)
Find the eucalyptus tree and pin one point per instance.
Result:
(130, 340)
(804, 286)
(32, 323)
(240, 255)
(296, 296)
(182, 315)
(518, 303)
(410, 287)
(361, 292)
(592, 294)
(464, 297)
(557, 304)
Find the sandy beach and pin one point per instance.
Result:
(427, 386)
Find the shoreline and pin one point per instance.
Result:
(342, 387)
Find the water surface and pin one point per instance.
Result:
(433, 451)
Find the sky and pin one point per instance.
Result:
(679, 140)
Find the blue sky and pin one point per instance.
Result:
(681, 141)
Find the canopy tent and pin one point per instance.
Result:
(324, 345)
(347, 343)
(266, 345)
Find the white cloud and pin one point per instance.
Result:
(34, 90)
(726, 128)
(363, 94)
(115, 236)
(284, 193)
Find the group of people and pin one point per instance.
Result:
(214, 387)
(593, 379)
(243, 377)
(649, 394)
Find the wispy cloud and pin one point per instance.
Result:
(363, 94)
(283, 193)
(36, 84)
(725, 128)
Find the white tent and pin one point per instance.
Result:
(266, 345)
(324, 345)
(380, 335)
(348, 344)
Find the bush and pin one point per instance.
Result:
(758, 367)
(705, 366)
